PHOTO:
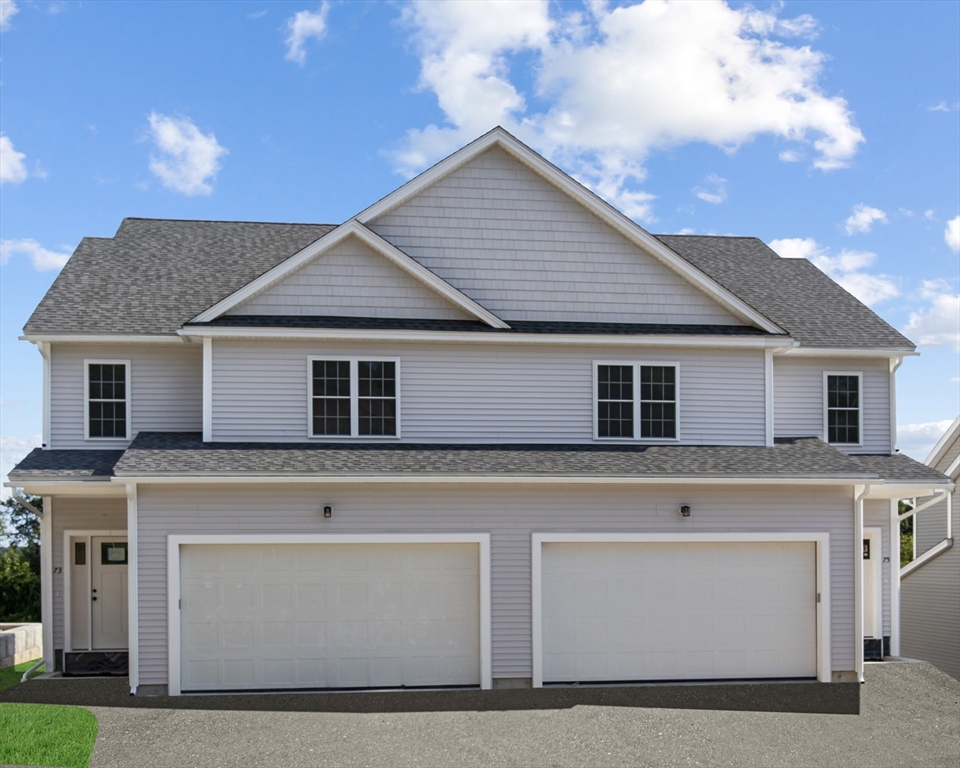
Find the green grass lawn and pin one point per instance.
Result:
(42, 734)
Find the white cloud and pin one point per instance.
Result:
(846, 268)
(862, 218)
(188, 159)
(42, 259)
(8, 9)
(618, 83)
(937, 324)
(12, 449)
(303, 26)
(951, 235)
(941, 106)
(713, 190)
(955, 380)
(928, 215)
(918, 440)
(790, 156)
(12, 168)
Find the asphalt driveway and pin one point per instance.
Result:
(909, 716)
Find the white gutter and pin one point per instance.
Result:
(485, 337)
(101, 338)
(858, 352)
(405, 478)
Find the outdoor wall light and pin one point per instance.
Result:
(328, 511)
(684, 510)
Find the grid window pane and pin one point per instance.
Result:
(658, 401)
(331, 397)
(377, 403)
(843, 409)
(107, 406)
(615, 401)
(658, 420)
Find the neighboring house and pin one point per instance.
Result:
(930, 592)
(488, 432)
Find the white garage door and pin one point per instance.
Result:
(668, 611)
(261, 616)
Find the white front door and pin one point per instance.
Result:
(108, 592)
(872, 607)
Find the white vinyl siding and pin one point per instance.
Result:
(78, 514)
(509, 513)
(484, 393)
(351, 280)
(165, 391)
(798, 399)
(523, 249)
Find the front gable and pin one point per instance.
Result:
(351, 280)
(526, 250)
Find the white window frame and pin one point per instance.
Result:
(354, 360)
(826, 408)
(824, 584)
(636, 365)
(174, 542)
(86, 400)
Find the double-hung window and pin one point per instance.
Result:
(636, 401)
(354, 398)
(843, 405)
(107, 399)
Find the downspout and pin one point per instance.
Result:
(895, 363)
(133, 590)
(44, 348)
(894, 577)
(28, 506)
(858, 578)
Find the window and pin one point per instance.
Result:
(658, 401)
(354, 398)
(114, 553)
(108, 399)
(625, 392)
(843, 408)
(614, 401)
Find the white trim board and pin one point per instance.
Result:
(174, 542)
(372, 240)
(486, 337)
(876, 558)
(943, 443)
(822, 540)
(604, 211)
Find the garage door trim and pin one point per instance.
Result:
(822, 541)
(174, 543)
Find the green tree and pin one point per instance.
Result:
(20, 562)
(906, 534)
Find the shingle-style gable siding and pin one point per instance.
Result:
(350, 280)
(526, 251)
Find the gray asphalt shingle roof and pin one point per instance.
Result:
(793, 293)
(174, 453)
(157, 274)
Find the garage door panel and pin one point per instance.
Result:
(648, 611)
(353, 615)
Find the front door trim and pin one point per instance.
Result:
(173, 580)
(822, 540)
(86, 534)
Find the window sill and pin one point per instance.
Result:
(640, 440)
(354, 438)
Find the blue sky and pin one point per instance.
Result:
(830, 130)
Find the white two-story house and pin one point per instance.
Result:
(488, 432)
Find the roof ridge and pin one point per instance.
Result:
(230, 221)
